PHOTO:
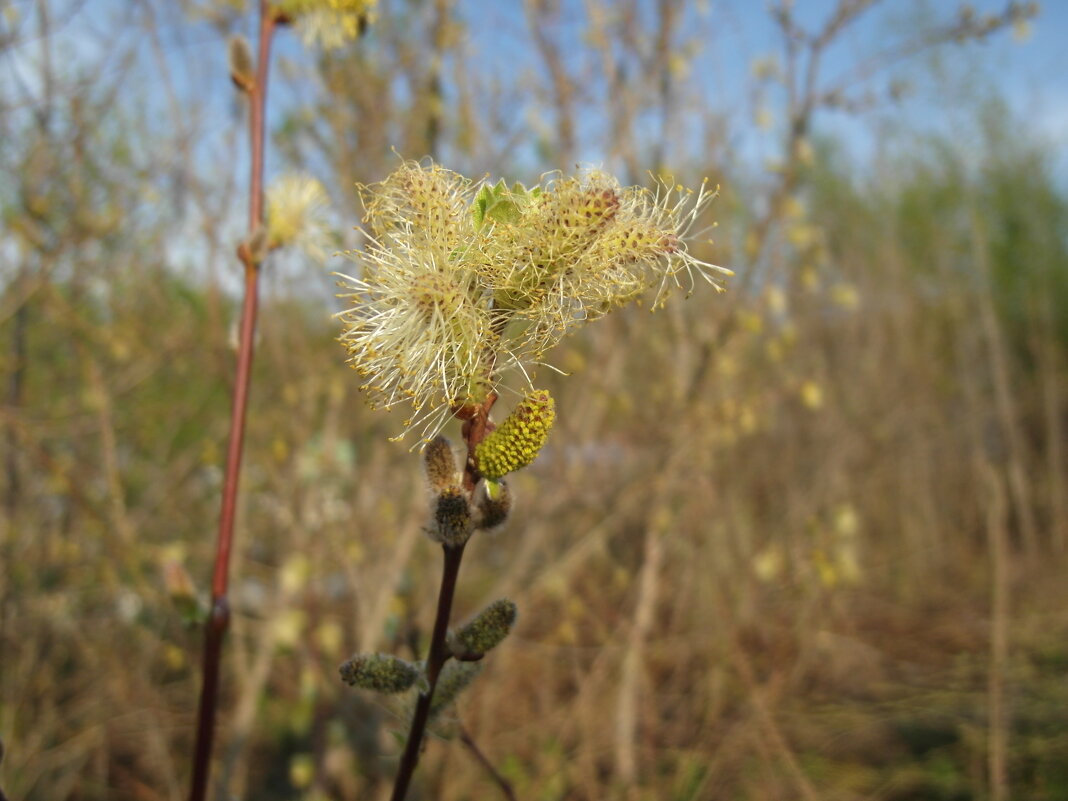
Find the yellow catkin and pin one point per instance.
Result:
(517, 441)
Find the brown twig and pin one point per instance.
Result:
(472, 746)
(220, 610)
(999, 724)
(474, 429)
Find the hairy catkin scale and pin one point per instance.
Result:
(451, 522)
(516, 442)
(427, 200)
(383, 673)
(485, 632)
(492, 504)
(567, 223)
(632, 241)
(590, 208)
(440, 464)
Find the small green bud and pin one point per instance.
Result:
(517, 441)
(485, 632)
(478, 207)
(383, 673)
(440, 464)
(499, 204)
(455, 677)
(242, 69)
(493, 503)
(451, 522)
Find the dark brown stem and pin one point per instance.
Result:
(472, 746)
(474, 430)
(2, 796)
(435, 660)
(220, 610)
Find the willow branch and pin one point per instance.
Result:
(474, 431)
(219, 620)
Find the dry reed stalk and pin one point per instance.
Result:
(626, 729)
(377, 609)
(1004, 400)
(117, 511)
(1052, 394)
(998, 543)
(766, 718)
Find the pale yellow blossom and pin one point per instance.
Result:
(330, 24)
(462, 281)
(295, 207)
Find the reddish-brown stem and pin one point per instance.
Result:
(476, 425)
(474, 429)
(219, 620)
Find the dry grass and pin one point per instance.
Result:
(805, 541)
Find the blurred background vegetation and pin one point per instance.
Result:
(804, 540)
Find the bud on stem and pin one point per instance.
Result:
(485, 632)
(382, 673)
(492, 502)
(242, 68)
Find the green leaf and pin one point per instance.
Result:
(478, 208)
(501, 203)
(504, 210)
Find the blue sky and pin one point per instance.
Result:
(1030, 72)
(728, 34)
(731, 35)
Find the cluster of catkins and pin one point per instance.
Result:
(456, 513)
(388, 674)
(460, 282)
